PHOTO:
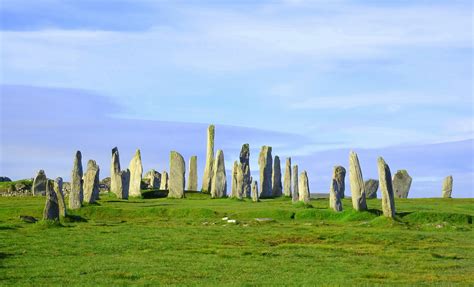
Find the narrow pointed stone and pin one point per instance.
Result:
(39, 183)
(357, 183)
(207, 177)
(254, 192)
(447, 188)
(245, 162)
(219, 180)
(303, 187)
(91, 182)
(51, 208)
(58, 189)
(136, 173)
(335, 189)
(287, 178)
(401, 183)
(164, 180)
(76, 194)
(266, 170)
(115, 178)
(386, 188)
(277, 188)
(371, 187)
(152, 178)
(177, 175)
(192, 175)
(295, 194)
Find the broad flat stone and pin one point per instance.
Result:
(177, 174)
(219, 180)
(386, 188)
(287, 178)
(245, 162)
(277, 187)
(371, 187)
(335, 189)
(295, 197)
(51, 208)
(401, 183)
(76, 194)
(91, 182)
(447, 188)
(207, 177)
(58, 189)
(136, 173)
(39, 183)
(303, 187)
(266, 170)
(357, 183)
(192, 175)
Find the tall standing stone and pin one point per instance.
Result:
(91, 182)
(136, 172)
(303, 188)
(164, 180)
(447, 188)
(295, 195)
(177, 175)
(254, 192)
(51, 208)
(401, 183)
(219, 181)
(287, 179)
(335, 189)
(386, 188)
(39, 183)
(266, 170)
(277, 187)
(152, 178)
(245, 162)
(340, 176)
(207, 177)
(123, 185)
(237, 181)
(115, 178)
(371, 187)
(357, 183)
(192, 175)
(58, 189)
(76, 194)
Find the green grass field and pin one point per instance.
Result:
(186, 242)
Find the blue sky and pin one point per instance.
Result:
(311, 78)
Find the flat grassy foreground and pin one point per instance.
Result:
(186, 242)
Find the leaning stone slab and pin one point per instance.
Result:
(39, 183)
(136, 172)
(295, 194)
(386, 188)
(177, 174)
(357, 183)
(76, 194)
(401, 183)
(371, 187)
(245, 162)
(58, 189)
(287, 178)
(192, 175)
(51, 208)
(91, 182)
(335, 190)
(219, 181)
(266, 170)
(447, 188)
(277, 187)
(254, 191)
(207, 177)
(303, 187)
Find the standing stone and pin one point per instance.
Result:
(58, 189)
(447, 188)
(136, 171)
(192, 175)
(123, 185)
(39, 183)
(386, 188)
(152, 178)
(276, 178)
(371, 187)
(266, 170)
(401, 183)
(335, 189)
(303, 188)
(295, 195)
(237, 178)
(177, 173)
(254, 191)
(91, 182)
(207, 177)
(340, 177)
(287, 179)
(164, 180)
(219, 181)
(115, 178)
(76, 194)
(51, 208)
(245, 162)
(357, 183)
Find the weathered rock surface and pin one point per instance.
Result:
(58, 189)
(295, 194)
(152, 179)
(177, 175)
(277, 187)
(51, 208)
(123, 185)
(357, 183)
(39, 183)
(245, 162)
(91, 182)
(76, 195)
(254, 192)
(401, 183)
(447, 188)
(266, 170)
(303, 187)
(287, 178)
(219, 181)
(371, 187)
(207, 177)
(115, 178)
(340, 177)
(236, 186)
(192, 175)
(335, 189)
(386, 188)
(136, 172)
(164, 180)
(104, 184)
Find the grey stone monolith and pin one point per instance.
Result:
(303, 187)
(152, 179)
(447, 188)
(164, 180)
(207, 177)
(371, 187)
(123, 185)
(219, 180)
(77, 193)
(340, 177)
(237, 181)
(91, 182)
(266, 170)
(386, 188)
(287, 178)
(254, 192)
(51, 208)
(58, 189)
(277, 188)
(136, 173)
(401, 183)
(39, 183)
(177, 175)
(335, 189)
(192, 174)
(115, 178)
(357, 183)
(245, 162)
(295, 195)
